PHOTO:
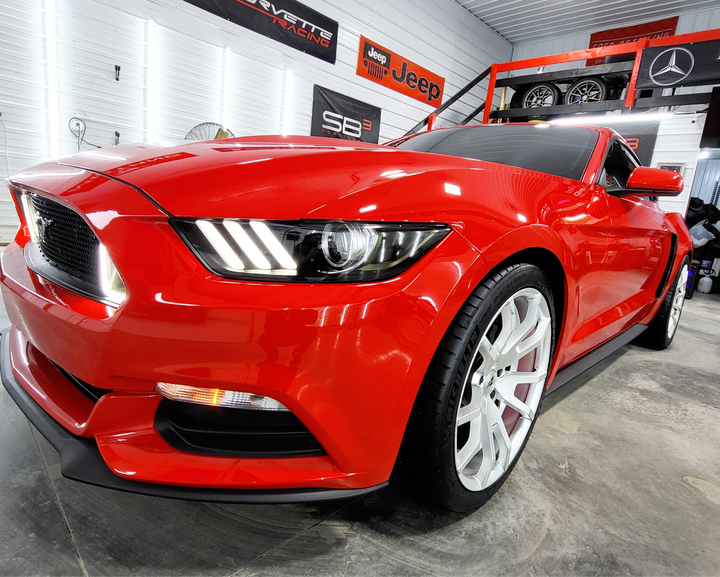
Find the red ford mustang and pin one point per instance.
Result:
(286, 319)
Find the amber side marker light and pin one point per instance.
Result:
(218, 397)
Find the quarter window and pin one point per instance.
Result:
(619, 165)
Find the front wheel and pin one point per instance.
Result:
(480, 397)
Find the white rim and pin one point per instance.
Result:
(678, 301)
(502, 389)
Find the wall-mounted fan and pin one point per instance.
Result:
(208, 131)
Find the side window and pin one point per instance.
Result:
(618, 167)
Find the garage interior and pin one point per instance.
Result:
(622, 472)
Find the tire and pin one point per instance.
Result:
(516, 102)
(590, 89)
(472, 381)
(540, 95)
(662, 328)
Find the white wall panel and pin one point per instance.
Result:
(438, 35)
(678, 142)
(91, 40)
(22, 97)
(188, 83)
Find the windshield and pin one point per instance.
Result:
(559, 150)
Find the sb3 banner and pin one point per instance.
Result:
(338, 116)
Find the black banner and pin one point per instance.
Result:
(641, 137)
(286, 21)
(711, 131)
(338, 116)
(693, 64)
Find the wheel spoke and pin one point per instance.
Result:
(512, 380)
(488, 351)
(504, 444)
(505, 389)
(510, 322)
(469, 412)
(521, 330)
(535, 340)
(492, 429)
(471, 448)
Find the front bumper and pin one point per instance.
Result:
(81, 460)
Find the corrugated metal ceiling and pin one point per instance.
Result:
(529, 20)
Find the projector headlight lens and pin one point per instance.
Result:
(308, 251)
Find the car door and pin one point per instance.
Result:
(639, 244)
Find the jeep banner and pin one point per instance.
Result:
(286, 21)
(400, 74)
(693, 64)
(338, 116)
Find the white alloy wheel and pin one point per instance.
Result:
(678, 301)
(503, 389)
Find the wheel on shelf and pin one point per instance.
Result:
(590, 89)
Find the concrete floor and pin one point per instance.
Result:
(621, 476)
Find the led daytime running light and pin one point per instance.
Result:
(111, 284)
(218, 397)
(30, 217)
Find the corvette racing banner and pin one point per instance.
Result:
(338, 116)
(656, 29)
(400, 74)
(693, 64)
(286, 21)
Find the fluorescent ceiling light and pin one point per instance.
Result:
(286, 103)
(51, 74)
(226, 88)
(150, 82)
(613, 118)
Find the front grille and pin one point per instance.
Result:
(234, 432)
(65, 239)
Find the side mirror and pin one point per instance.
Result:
(654, 182)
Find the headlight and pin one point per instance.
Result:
(307, 251)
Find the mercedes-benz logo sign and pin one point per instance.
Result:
(671, 66)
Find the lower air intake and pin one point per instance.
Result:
(234, 432)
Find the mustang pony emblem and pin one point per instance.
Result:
(43, 225)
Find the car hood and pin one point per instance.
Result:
(272, 176)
